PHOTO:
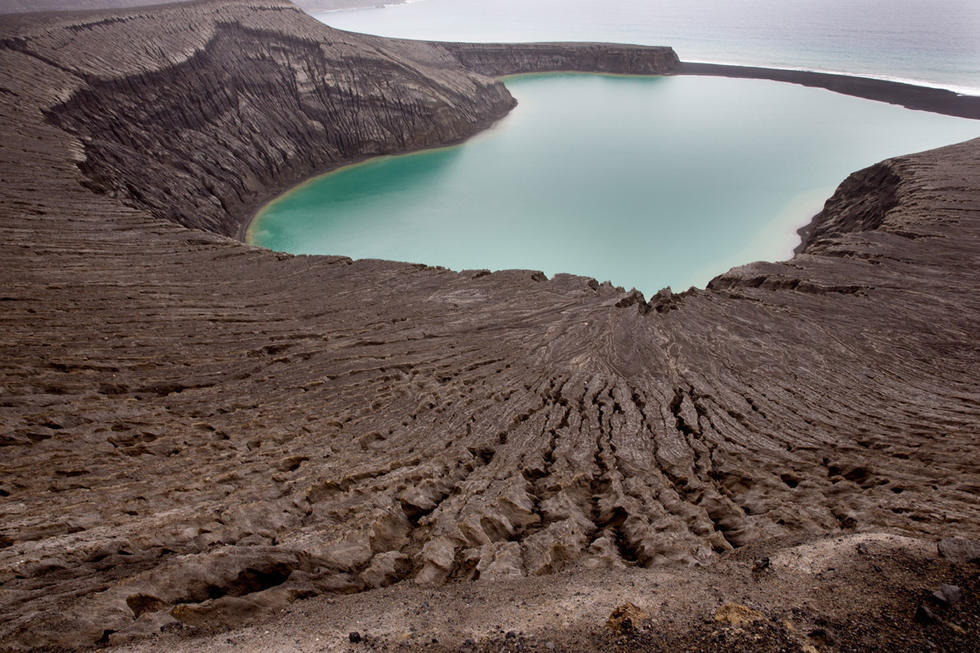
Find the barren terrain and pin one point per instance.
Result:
(198, 435)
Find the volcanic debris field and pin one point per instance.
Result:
(197, 435)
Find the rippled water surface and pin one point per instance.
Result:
(646, 182)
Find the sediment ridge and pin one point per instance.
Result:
(197, 433)
(925, 98)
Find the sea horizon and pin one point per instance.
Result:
(915, 43)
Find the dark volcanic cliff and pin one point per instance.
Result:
(254, 107)
(508, 58)
(194, 430)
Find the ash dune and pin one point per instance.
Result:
(196, 433)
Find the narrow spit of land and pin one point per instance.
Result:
(912, 96)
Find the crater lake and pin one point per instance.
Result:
(643, 181)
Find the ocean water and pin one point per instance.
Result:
(643, 181)
(932, 42)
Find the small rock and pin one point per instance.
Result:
(959, 550)
(386, 568)
(760, 564)
(626, 618)
(948, 594)
(354, 637)
(736, 614)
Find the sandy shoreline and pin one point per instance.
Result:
(286, 187)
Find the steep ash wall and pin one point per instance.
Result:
(254, 110)
(496, 59)
(196, 432)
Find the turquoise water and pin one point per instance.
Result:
(936, 42)
(646, 182)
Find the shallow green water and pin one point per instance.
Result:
(646, 182)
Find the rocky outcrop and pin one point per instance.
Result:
(861, 203)
(496, 59)
(196, 431)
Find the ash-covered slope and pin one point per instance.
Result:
(195, 431)
(257, 97)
